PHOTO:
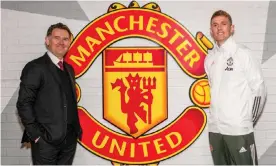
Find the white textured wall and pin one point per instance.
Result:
(22, 39)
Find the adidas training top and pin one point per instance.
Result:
(238, 92)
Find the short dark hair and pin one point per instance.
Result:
(59, 26)
(221, 13)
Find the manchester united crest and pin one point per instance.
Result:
(135, 88)
(135, 84)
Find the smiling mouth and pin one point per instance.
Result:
(61, 48)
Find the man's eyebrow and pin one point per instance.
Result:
(61, 36)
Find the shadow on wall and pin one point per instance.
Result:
(70, 9)
(269, 157)
(11, 111)
(270, 39)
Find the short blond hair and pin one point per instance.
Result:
(221, 13)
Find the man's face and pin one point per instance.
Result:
(221, 29)
(58, 42)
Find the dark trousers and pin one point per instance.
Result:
(44, 153)
(233, 150)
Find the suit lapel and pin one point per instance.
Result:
(67, 68)
(53, 69)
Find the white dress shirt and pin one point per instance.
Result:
(54, 59)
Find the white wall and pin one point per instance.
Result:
(22, 39)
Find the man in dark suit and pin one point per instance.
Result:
(47, 102)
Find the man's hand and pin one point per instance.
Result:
(27, 145)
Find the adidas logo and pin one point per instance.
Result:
(242, 150)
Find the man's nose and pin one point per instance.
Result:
(60, 41)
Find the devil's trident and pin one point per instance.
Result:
(149, 85)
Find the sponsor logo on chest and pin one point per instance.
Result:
(229, 63)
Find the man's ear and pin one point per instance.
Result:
(232, 29)
(47, 41)
(71, 37)
(211, 33)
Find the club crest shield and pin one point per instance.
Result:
(134, 99)
(135, 88)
